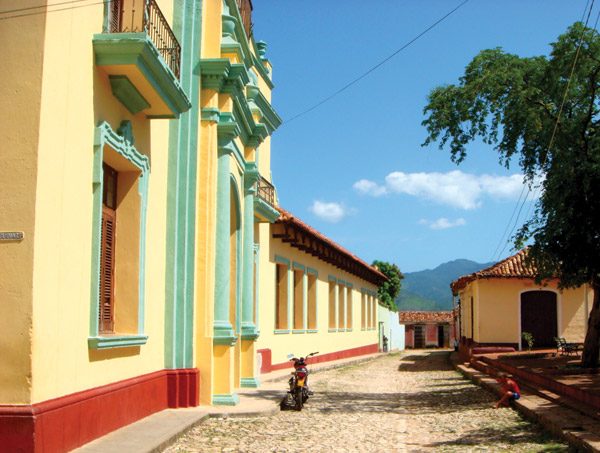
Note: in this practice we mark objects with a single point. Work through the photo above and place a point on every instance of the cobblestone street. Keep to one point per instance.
(412, 401)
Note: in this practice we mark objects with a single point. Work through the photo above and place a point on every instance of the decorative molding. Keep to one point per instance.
(262, 71)
(127, 93)
(105, 135)
(249, 331)
(223, 333)
(226, 400)
(116, 341)
(211, 114)
(258, 103)
(250, 382)
(251, 175)
(221, 75)
(282, 260)
(113, 50)
(264, 210)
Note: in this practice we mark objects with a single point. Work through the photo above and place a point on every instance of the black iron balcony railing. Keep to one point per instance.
(245, 7)
(265, 190)
(145, 15)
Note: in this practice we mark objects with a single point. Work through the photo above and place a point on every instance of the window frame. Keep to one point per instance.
(121, 142)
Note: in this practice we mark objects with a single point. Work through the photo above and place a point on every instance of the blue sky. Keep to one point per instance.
(354, 168)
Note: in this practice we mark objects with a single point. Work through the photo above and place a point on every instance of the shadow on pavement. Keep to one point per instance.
(433, 361)
(481, 438)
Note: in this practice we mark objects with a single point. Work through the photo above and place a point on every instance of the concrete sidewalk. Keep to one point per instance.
(566, 419)
(157, 431)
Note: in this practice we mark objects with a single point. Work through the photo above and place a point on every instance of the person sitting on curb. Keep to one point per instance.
(510, 390)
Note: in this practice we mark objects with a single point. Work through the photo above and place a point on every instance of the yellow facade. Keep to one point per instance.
(490, 310)
(106, 133)
(301, 339)
(66, 97)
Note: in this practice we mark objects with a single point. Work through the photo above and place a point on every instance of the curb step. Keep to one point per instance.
(580, 430)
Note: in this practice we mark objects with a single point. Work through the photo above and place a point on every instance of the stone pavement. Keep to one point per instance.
(410, 401)
(153, 433)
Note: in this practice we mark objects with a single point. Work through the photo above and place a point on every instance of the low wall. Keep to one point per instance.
(65, 423)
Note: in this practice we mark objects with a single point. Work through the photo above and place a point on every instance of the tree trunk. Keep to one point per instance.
(591, 346)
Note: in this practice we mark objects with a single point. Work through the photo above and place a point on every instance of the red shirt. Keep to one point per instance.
(511, 386)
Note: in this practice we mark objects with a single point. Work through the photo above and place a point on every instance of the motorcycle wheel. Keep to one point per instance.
(298, 398)
(304, 395)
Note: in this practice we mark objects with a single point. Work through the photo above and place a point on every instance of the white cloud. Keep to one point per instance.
(443, 223)
(367, 187)
(330, 212)
(454, 188)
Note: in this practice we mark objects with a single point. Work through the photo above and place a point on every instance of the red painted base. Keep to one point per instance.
(267, 366)
(68, 422)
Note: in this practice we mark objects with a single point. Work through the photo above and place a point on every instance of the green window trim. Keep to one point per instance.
(122, 143)
(116, 341)
(281, 331)
(282, 260)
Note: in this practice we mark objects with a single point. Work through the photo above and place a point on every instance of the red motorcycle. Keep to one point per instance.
(299, 391)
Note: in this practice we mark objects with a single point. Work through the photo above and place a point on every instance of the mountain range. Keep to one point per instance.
(429, 290)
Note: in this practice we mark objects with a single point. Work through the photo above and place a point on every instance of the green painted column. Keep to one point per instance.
(249, 329)
(223, 330)
(181, 195)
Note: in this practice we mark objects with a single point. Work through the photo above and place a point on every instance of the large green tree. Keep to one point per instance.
(388, 291)
(544, 111)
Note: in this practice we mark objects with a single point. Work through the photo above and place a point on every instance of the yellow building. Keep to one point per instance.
(497, 304)
(314, 296)
(143, 259)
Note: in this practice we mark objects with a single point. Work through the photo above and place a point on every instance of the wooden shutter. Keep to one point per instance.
(107, 272)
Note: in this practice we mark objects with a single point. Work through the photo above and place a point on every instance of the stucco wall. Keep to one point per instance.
(392, 328)
(323, 340)
(20, 92)
(497, 309)
(76, 97)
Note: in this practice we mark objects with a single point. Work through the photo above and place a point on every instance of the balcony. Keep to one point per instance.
(265, 190)
(141, 56)
(264, 201)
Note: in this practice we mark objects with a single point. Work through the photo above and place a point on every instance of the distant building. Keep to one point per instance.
(497, 304)
(428, 329)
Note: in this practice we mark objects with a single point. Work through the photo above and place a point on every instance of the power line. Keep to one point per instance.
(502, 238)
(562, 104)
(376, 66)
(47, 10)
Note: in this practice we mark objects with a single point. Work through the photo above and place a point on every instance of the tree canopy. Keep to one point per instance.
(544, 111)
(388, 291)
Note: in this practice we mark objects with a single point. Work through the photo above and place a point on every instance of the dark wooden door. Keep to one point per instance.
(538, 317)
(441, 338)
(419, 337)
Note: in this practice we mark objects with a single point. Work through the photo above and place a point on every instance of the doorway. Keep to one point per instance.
(539, 317)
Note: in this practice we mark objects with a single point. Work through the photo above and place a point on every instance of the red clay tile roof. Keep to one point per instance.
(412, 317)
(512, 267)
(301, 235)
